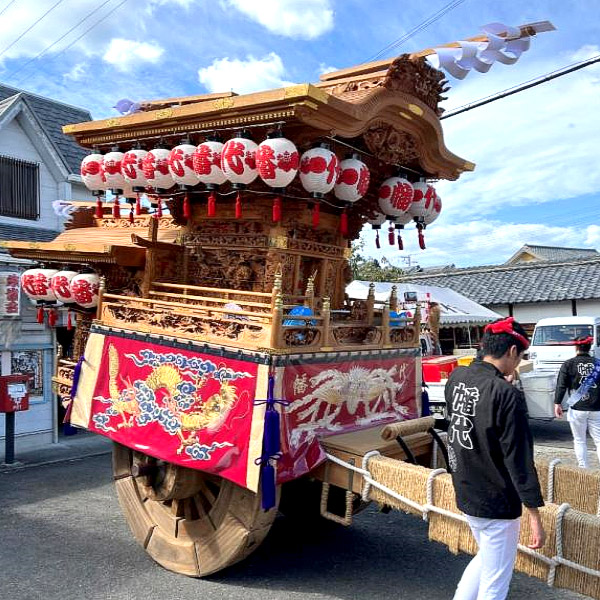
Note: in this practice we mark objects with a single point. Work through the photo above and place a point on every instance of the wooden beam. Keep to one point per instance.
(138, 240)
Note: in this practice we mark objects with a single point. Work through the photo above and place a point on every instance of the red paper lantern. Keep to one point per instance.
(132, 167)
(238, 161)
(60, 284)
(85, 289)
(353, 181)
(112, 170)
(319, 170)
(36, 283)
(156, 169)
(92, 172)
(181, 164)
(207, 163)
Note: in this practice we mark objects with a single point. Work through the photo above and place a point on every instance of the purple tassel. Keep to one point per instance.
(76, 376)
(271, 439)
(269, 489)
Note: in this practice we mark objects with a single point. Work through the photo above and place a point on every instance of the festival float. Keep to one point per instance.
(214, 343)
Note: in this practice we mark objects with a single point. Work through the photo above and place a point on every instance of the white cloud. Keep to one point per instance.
(325, 68)
(244, 76)
(304, 19)
(77, 72)
(126, 54)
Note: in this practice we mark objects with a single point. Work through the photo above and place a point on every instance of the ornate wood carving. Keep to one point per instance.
(391, 145)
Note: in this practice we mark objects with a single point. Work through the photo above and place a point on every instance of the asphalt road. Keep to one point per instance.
(62, 537)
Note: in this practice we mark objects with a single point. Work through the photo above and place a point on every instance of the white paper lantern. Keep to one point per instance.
(156, 169)
(181, 164)
(435, 208)
(112, 170)
(36, 283)
(353, 181)
(84, 289)
(132, 167)
(377, 221)
(207, 163)
(238, 160)
(60, 284)
(277, 161)
(92, 172)
(319, 170)
(395, 197)
(423, 197)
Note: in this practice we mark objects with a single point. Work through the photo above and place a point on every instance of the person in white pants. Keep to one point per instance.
(579, 377)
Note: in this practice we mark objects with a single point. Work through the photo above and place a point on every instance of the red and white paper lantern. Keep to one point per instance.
(155, 166)
(37, 285)
(60, 284)
(132, 167)
(423, 200)
(376, 222)
(319, 172)
(207, 166)
(395, 198)
(92, 172)
(238, 162)
(351, 186)
(181, 164)
(112, 170)
(85, 289)
(435, 208)
(277, 162)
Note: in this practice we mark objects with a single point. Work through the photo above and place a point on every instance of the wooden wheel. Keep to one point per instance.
(188, 521)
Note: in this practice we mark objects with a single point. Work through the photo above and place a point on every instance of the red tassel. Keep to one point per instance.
(131, 219)
(69, 321)
(138, 205)
(391, 238)
(276, 209)
(159, 209)
(116, 208)
(186, 207)
(344, 224)
(315, 215)
(40, 315)
(377, 244)
(99, 209)
(52, 317)
(421, 237)
(400, 243)
(212, 205)
(238, 206)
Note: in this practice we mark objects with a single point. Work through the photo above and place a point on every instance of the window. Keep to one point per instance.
(19, 188)
(560, 335)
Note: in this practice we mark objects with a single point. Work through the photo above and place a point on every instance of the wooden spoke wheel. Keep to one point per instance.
(188, 521)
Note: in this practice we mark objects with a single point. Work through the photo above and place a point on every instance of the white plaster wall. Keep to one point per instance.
(533, 312)
(500, 308)
(588, 308)
(16, 143)
(81, 193)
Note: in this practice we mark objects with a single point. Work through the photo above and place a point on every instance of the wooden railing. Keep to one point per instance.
(62, 381)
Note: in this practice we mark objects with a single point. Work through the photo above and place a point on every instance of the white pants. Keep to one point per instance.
(582, 421)
(488, 575)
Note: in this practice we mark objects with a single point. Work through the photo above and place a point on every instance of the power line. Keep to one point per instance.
(417, 29)
(110, 12)
(30, 27)
(62, 37)
(523, 86)
(7, 7)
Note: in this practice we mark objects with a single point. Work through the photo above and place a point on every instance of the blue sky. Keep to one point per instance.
(537, 179)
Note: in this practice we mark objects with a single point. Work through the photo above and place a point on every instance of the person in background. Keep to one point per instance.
(490, 450)
(584, 408)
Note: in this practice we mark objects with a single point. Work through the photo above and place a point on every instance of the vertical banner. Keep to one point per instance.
(10, 294)
(337, 397)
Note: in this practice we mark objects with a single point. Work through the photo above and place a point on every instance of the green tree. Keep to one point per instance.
(370, 269)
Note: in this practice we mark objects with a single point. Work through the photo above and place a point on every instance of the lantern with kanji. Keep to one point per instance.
(132, 167)
(238, 162)
(85, 288)
(181, 167)
(37, 285)
(94, 179)
(277, 162)
(395, 198)
(319, 172)
(351, 186)
(376, 222)
(61, 286)
(207, 166)
(155, 166)
(422, 202)
(112, 170)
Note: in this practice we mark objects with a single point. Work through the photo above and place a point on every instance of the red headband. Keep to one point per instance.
(506, 326)
(588, 340)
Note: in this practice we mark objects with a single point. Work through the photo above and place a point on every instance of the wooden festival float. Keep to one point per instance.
(213, 339)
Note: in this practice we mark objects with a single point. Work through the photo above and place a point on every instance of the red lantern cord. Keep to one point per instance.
(69, 321)
(238, 206)
(400, 243)
(99, 209)
(131, 219)
(212, 205)
(316, 210)
(344, 224)
(186, 207)
(52, 317)
(391, 238)
(377, 244)
(40, 315)
(421, 236)
(138, 205)
(159, 209)
(277, 209)
(116, 208)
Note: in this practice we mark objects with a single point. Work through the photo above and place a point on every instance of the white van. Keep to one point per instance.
(553, 340)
